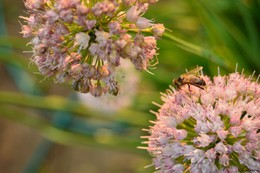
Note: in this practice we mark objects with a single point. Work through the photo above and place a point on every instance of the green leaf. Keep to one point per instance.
(58, 103)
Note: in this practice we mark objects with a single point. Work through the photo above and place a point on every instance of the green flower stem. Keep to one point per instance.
(235, 161)
(231, 139)
(180, 159)
(219, 166)
(58, 103)
(202, 52)
(187, 168)
(188, 125)
(185, 126)
(67, 137)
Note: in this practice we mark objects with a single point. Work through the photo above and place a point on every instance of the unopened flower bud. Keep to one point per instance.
(158, 30)
(132, 14)
(143, 23)
(86, 87)
(96, 91)
(26, 31)
(40, 49)
(103, 71)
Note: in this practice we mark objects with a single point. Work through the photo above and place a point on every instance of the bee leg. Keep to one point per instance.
(189, 87)
(199, 87)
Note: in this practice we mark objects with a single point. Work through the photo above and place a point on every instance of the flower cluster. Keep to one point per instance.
(215, 130)
(83, 41)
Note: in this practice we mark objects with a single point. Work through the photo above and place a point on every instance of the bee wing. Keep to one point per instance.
(195, 71)
(195, 80)
(190, 78)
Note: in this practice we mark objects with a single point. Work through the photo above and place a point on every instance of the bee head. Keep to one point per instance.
(177, 82)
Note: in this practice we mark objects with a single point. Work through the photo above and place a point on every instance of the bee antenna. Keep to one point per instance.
(218, 71)
(236, 67)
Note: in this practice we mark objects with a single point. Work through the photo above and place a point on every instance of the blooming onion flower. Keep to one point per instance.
(208, 131)
(83, 41)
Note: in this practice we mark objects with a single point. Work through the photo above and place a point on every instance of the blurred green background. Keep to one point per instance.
(45, 128)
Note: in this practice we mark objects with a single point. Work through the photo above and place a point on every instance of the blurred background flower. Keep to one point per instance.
(45, 128)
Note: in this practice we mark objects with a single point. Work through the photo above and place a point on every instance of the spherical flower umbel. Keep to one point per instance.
(83, 42)
(210, 130)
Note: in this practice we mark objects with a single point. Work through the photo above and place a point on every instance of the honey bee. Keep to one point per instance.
(190, 78)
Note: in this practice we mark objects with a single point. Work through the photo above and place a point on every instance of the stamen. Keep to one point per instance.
(251, 76)
(142, 148)
(257, 78)
(153, 112)
(149, 166)
(242, 72)
(156, 104)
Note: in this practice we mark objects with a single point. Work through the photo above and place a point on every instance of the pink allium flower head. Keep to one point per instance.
(83, 42)
(221, 122)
